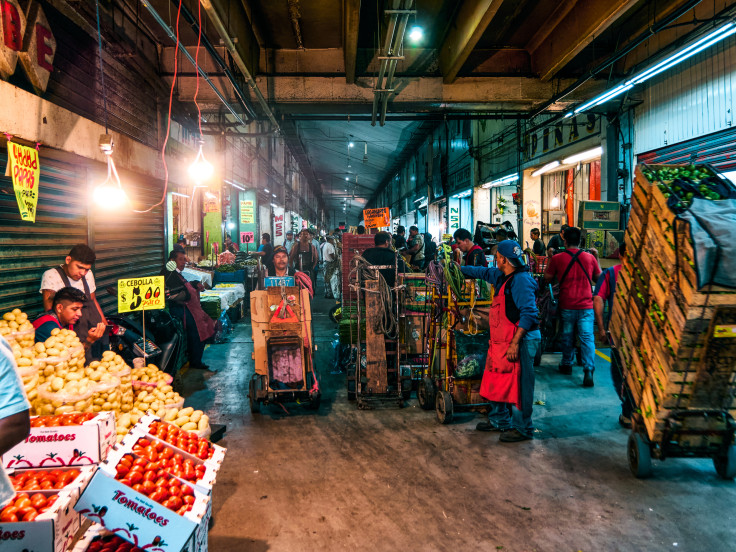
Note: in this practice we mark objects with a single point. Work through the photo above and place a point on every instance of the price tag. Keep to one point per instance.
(247, 237)
(136, 294)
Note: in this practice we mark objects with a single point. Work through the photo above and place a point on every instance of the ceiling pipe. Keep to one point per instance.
(222, 31)
(398, 41)
(378, 89)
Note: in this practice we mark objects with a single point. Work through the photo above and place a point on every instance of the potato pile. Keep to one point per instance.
(16, 327)
(116, 387)
(27, 370)
(186, 418)
(151, 375)
(59, 355)
(62, 396)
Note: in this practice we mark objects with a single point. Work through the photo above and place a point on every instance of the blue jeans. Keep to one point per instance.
(582, 320)
(506, 416)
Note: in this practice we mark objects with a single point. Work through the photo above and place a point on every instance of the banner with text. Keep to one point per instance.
(25, 170)
(377, 218)
(135, 294)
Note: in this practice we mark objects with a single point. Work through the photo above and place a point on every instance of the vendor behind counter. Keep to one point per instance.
(382, 255)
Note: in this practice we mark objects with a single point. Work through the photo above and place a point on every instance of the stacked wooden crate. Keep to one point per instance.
(665, 328)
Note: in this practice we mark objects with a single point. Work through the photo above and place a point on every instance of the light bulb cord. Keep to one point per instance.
(99, 55)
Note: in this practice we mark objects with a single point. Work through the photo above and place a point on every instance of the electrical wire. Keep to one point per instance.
(196, 66)
(99, 53)
(168, 119)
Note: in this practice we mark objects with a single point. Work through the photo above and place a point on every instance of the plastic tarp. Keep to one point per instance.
(712, 226)
(471, 354)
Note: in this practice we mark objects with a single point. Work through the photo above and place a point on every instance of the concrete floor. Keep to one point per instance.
(394, 479)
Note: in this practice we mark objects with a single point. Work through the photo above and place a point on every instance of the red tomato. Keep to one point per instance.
(30, 516)
(147, 487)
(135, 476)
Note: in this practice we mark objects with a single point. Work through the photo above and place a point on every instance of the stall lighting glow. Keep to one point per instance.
(110, 194)
(555, 202)
(347, 178)
(210, 195)
(548, 167)
(351, 145)
(230, 225)
(274, 206)
(234, 185)
(583, 156)
(201, 170)
(699, 45)
(501, 181)
(180, 195)
(416, 34)
(461, 195)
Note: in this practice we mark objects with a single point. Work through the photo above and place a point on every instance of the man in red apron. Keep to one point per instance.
(183, 300)
(508, 379)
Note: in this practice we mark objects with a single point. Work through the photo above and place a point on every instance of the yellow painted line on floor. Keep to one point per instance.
(604, 357)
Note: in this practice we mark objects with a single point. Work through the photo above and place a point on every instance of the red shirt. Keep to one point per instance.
(576, 291)
(604, 291)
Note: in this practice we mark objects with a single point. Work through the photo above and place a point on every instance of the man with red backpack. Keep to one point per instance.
(473, 253)
(575, 271)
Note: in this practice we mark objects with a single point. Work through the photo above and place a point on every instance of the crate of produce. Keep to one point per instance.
(64, 440)
(234, 277)
(51, 480)
(677, 341)
(185, 441)
(49, 522)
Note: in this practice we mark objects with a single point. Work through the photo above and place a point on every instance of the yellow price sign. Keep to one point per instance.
(137, 294)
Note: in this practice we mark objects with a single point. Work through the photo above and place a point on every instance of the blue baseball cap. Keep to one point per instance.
(512, 251)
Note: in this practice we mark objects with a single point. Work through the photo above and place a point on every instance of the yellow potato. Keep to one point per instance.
(190, 426)
(196, 415)
(204, 422)
(181, 420)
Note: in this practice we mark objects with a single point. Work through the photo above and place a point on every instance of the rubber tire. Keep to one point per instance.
(726, 465)
(426, 394)
(640, 456)
(444, 407)
(255, 406)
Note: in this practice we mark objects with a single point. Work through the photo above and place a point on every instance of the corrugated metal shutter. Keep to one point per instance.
(128, 244)
(717, 149)
(28, 249)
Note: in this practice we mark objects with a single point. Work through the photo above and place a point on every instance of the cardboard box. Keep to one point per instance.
(52, 531)
(144, 425)
(600, 215)
(75, 488)
(126, 447)
(138, 519)
(97, 532)
(59, 446)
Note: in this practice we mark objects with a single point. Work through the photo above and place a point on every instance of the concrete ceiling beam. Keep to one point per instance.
(577, 26)
(351, 24)
(239, 28)
(470, 23)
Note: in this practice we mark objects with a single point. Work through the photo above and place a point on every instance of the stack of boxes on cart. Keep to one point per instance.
(677, 342)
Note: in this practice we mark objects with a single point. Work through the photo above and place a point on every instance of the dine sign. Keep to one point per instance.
(25, 170)
(137, 294)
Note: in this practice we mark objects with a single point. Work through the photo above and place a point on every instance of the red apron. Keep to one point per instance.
(501, 378)
(205, 325)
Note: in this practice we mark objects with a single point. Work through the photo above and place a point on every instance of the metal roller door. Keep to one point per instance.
(716, 149)
(28, 249)
(128, 244)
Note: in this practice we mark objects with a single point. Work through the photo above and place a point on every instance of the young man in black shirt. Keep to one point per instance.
(538, 246)
(383, 255)
(473, 254)
(557, 243)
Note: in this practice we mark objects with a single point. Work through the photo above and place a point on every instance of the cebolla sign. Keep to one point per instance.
(26, 37)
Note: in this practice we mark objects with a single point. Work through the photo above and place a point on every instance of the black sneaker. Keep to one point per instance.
(588, 379)
(513, 436)
(565, 369)
(487, 426)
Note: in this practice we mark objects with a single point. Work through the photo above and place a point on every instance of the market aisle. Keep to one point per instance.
(343, 479)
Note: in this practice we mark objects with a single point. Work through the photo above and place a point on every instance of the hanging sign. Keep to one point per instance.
(247, 212)
(377, 218)
(137, 294)
(278, 225)
(25, 170)
(247, 237)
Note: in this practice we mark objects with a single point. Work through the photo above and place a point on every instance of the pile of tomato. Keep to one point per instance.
(170, 460)
(151, 479)
(112, 544)
(38, 480)
(184, 440)
(62, 419)
(25, 507)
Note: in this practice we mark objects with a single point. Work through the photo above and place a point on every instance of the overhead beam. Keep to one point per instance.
(578, 28)
(351, 25)
(470, 23)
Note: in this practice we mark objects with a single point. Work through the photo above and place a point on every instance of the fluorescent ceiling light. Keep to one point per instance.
(350, 145)
(548, 167)
(265, 190)
(416, 34)
(463, 194)
(179, 195)
(583, 156)
(420, 199)
(698, 46)
(234, 185)
(501, 181)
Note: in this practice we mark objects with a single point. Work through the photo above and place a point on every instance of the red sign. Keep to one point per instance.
(27, 39)
(278, 224)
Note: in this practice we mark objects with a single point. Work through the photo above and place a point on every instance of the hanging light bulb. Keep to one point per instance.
(109, 194)
(201, 170)
(555, 201)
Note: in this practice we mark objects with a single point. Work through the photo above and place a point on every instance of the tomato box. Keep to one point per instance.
(144, 426)
(139, 519)
(29, 481)
(98, 534)
(58, 446)
(52, 531)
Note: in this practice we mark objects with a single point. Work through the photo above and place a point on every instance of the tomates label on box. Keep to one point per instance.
(56, 446)
(135, 517)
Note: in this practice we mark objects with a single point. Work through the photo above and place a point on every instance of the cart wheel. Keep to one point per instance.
(443, 407)
(426, 393)
(640, 456)
(255, 406)
(726, 464)
(314, 400)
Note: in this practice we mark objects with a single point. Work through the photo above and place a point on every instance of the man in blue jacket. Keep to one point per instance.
(508, 378)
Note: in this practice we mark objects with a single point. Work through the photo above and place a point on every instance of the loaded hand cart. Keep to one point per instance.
(283, 346)
(674, 329)
(458, 341)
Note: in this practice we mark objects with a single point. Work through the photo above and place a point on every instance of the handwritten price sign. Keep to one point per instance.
(377, 218)
(25, 170)
(135, 294)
